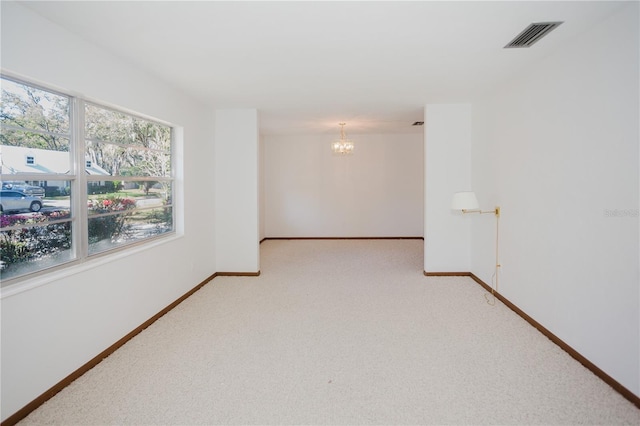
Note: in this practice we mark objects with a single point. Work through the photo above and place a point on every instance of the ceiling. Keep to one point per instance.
(308, 65)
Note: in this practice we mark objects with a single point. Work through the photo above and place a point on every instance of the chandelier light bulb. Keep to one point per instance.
(344, 145)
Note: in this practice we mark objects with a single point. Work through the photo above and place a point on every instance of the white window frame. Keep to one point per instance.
(78, 181)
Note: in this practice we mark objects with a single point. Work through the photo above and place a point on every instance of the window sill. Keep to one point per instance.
(46, 278)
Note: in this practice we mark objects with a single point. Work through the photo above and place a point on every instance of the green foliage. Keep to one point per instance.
(106, 227)
(125, 145)
(109, 226)
(160, 217)
(107, 188)
(52, 191)
(32, 243)
(26, 108)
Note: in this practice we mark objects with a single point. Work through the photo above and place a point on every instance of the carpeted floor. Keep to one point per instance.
(338, 332)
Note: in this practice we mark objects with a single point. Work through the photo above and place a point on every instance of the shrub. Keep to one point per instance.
(52, 191)
(34, 242)
(24, 244)
(112, 227)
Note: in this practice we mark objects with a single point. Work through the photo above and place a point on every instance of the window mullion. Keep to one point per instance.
(174, 160)
(79, 195)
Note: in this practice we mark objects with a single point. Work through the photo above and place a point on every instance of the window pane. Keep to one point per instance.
(110, 231)
(24, 209)
(109, 203)
(33, 140)
(34, 237)
(122, 212)
(18, 156)
(27, 250)
(116, 127)
(118, 160)
(34, 109)
(144, 194)
(107, 125)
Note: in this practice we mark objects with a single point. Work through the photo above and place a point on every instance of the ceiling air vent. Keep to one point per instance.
(532, 34)
(418, 123)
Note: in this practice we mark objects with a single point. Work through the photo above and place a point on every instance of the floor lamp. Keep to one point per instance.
(467, 202)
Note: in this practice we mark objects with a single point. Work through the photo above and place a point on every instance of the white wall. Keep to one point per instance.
(375, 192)
(261, 184)
(68, 318)
(237, 190)
(447, 170)
(558, 148)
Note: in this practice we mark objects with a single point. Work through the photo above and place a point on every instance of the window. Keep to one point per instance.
(137, 153)
(106, 185)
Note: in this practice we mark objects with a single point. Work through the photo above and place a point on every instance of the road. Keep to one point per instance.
(57, 205)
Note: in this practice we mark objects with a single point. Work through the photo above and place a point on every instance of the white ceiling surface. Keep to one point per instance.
(308, 65)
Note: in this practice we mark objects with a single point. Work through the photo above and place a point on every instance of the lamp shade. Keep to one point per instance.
(465, 201)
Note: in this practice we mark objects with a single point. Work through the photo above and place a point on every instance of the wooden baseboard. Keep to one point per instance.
(446, 274)
(626, 393)
(238, 274)
(44, 397)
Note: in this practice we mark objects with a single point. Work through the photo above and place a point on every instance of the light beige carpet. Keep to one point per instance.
(338, 332)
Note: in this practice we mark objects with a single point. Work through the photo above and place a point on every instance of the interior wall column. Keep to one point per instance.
(236, 217)
(447, 138)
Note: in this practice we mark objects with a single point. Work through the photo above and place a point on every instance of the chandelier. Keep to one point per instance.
(344, 145)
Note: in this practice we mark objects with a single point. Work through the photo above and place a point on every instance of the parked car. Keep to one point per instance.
(11, 200)
(36, 191)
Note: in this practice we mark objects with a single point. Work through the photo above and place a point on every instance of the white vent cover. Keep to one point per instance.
(532, 34)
